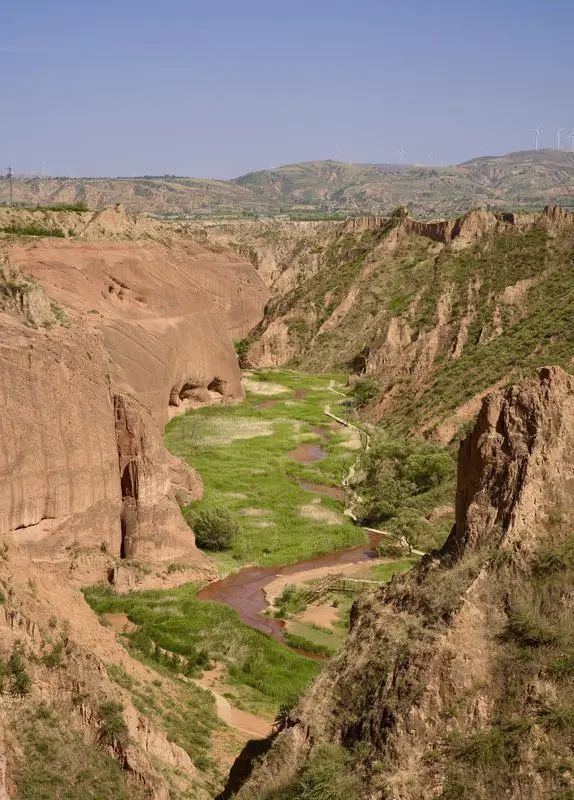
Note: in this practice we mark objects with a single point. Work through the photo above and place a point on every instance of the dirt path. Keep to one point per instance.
(250, 724)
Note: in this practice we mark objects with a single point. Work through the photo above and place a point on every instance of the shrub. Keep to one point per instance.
(241, 349)
(329, 774)
(291, 601)
(53, 659)
(113, 729)
(20, 682)
(402, 477)
(363, 391)
(409, 527)
(214, 528)
(33, 230)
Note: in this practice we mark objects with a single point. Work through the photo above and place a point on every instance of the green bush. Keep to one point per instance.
(20, 682)
(214, 528)
(53, 659)
(113, 729)
(399, 480)
(241, 349)
(33, 230)
(363, 391)
(328, 775)
(291, 601)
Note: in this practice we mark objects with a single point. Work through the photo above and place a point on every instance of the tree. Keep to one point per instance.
(214, 528)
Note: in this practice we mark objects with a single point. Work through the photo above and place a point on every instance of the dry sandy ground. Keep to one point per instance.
(263, 387)
(315, 511)
(324, 616)
(119, 623)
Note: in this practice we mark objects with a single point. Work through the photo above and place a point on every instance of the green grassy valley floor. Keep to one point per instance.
(245, 454)
(242, 453)
(262, 674)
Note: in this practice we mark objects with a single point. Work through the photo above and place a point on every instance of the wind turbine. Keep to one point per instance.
(558, 132)
(571, 137)
(536, 132)
(402, 153)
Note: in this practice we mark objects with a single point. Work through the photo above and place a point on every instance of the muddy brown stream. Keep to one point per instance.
(243, 590)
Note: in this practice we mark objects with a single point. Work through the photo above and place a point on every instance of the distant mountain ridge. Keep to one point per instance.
(527, 179)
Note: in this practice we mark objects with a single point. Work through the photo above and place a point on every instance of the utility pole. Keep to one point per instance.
(10, 173)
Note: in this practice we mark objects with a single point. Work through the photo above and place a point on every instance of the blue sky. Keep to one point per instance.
(221, 87)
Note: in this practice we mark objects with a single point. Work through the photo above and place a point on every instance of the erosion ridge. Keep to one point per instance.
(426, 698)
(435, 313)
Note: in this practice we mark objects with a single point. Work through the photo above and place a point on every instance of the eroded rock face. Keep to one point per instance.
(58, 454)
(142, 329)
(168, 314)
(513, 457)
(152, 483)
(427, 662)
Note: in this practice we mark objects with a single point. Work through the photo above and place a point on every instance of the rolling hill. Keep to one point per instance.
(526, 180)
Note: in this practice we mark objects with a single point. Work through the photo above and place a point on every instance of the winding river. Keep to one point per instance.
(244, 590)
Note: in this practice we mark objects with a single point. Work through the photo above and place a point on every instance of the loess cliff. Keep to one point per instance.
(101, 341)
(132, 333)
(432, 314)
(456, 679)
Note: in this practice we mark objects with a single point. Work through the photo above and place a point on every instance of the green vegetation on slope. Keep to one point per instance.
(243, 454)
(57, 762)
(533, 717)
(503, 305)
(332, 773)
(317, 189)
(266, 673)
(537, 330)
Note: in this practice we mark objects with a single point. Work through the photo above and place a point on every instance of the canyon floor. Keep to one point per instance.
(252, 640)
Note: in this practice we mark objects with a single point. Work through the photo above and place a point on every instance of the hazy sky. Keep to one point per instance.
(220, 87)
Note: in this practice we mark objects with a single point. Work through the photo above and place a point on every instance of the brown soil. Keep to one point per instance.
(243, 721)
(319, 488)
(325, 616)
(120, 623)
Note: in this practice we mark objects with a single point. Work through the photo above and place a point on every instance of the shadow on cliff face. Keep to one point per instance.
(244, 764)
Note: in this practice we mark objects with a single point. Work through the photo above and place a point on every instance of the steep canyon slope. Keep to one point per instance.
(456, 679)
(433, 313)
(138, 329)
(101, 340)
